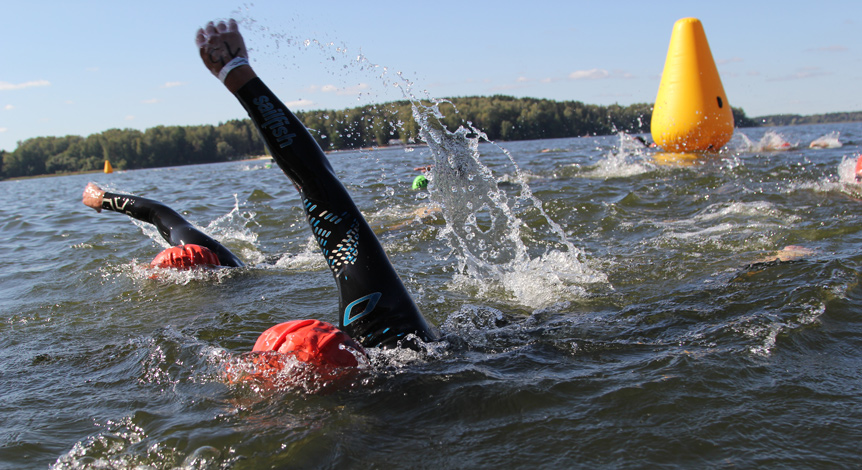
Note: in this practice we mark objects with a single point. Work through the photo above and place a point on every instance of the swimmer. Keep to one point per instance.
(420, 182)
(644, 142)
(788, 254)
(190, 248)
(375, 308)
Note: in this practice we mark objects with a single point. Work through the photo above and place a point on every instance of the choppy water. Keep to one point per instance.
(620, 328)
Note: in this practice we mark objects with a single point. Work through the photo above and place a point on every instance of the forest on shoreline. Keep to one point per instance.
(501, 118)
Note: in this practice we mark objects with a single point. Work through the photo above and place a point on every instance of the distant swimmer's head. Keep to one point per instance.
(312, 341)
(420, 182)
(185, 257)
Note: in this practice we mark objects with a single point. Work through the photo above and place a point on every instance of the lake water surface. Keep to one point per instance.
(602, 311)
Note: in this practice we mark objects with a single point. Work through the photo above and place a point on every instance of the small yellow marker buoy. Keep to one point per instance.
(691, 110)
(108, 167)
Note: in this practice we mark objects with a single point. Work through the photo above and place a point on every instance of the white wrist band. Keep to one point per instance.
(234, 63)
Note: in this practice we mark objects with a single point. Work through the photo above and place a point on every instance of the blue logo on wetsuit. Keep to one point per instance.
(350, 317)
(325, 225)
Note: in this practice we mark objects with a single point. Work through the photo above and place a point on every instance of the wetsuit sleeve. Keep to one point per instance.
(171, 226)
(375, 307)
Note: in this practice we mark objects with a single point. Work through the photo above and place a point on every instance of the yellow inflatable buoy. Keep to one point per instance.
(108, 167)
(691, 110)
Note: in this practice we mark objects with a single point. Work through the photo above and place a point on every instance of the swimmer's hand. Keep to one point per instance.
(222, 45)
(788, 253)
(93, 196)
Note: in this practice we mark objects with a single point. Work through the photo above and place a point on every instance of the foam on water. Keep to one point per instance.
(726, 225)
(307, 259)
(628, 160)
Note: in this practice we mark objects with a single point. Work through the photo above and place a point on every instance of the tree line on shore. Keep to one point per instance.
(501, 118)
(796, 119)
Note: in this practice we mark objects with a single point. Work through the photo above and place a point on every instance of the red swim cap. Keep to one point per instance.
(859, 167)
(185, 257)
(311, 341)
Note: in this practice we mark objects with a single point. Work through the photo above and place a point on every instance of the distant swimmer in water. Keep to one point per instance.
(788, 254)
(190, 248)
(828, 141)
(644, 142)
(376, 309)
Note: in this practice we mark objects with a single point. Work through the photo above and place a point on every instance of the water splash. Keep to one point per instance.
(847, 182)
(307, 259)
(828, 141)
(628, 160)
(770, 142)
(482, 226)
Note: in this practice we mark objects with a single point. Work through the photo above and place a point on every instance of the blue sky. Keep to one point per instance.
(83, 67)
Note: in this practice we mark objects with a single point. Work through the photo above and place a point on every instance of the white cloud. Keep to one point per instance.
(801, 74)
(173, 84)
(523, 80)
(18, 86)
(303, 103)
(3, 129)
(151, 101)
(8, 107)
(729, 61)
(130, 118)
(622, 74)
(592, 74)
(354, 90)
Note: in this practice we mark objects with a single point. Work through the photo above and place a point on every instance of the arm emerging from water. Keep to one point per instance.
(175, 229)
(375, 307)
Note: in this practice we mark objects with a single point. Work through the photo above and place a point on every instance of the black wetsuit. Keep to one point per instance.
(172, 226)
(375, 308)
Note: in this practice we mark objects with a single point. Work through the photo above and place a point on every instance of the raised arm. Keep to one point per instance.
(376, 308)
(175, 229)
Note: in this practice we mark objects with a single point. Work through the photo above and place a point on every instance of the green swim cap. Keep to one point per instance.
(420, 182)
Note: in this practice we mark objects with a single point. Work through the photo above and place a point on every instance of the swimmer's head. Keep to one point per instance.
(311, 341)
(420, 182)
(185, 257)
(859, 168)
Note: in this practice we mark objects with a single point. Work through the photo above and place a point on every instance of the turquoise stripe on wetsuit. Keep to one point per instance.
(376, 308)
(172, 227)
